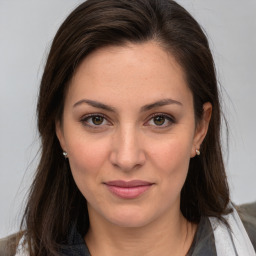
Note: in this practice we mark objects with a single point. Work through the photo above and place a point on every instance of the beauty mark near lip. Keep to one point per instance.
(128, 189)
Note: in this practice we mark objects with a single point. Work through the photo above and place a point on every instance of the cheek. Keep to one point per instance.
(87, 157)
(87, 160)
(173, 152)
(171, 158)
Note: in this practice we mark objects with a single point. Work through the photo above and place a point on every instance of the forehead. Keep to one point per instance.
(132, 71)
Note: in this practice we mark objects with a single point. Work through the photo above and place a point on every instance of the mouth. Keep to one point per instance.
(128, 189)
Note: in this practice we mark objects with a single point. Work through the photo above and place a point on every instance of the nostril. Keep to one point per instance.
(127, 162)
(127, 151)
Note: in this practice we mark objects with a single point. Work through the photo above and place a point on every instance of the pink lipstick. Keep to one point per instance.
(128, 189)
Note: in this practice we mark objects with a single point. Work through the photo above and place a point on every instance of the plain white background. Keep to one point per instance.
(26, 30)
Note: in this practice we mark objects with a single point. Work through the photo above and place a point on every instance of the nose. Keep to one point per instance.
(127, 153)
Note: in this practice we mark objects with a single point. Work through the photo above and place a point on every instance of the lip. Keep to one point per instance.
(128, 189)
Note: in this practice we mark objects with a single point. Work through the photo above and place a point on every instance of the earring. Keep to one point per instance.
(65, 154)
(198, 152)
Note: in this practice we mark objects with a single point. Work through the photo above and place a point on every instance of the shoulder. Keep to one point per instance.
(9, 244)
(247, 213)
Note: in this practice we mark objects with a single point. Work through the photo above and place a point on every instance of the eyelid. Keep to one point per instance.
(84, 119)
(87, 116)
(169, 117)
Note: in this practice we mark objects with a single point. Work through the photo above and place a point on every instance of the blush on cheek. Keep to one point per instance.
(83, 173)
(87, 156)
(172, 156)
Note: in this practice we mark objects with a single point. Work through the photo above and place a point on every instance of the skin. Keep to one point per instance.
(125, 142)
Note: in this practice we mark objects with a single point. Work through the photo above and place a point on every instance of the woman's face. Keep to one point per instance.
(129, 131)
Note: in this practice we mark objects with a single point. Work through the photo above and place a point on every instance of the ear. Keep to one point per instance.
(60, 135)
(202, 128)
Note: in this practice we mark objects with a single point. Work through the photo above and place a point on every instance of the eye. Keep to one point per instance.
(160, 120)
(94, 120)
(97, 120)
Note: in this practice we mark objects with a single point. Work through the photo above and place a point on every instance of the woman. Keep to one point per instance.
(129, 118)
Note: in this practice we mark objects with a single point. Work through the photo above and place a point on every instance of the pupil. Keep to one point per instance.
(159, 120)
(97, 120)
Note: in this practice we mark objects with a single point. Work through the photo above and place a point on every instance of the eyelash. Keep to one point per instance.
(166, 117)
(169, 118)
(85, 119)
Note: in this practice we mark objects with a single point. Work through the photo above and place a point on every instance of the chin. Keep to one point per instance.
(130, 219)
(128, 223)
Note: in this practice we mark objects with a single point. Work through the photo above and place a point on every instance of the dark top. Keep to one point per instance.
(203, 243)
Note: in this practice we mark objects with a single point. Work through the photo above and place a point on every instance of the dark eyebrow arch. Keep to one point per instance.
(160, 103)
(147, 107)
(95, 104)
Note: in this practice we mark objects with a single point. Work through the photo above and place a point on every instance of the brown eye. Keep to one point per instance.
(94, 121)
(159, 120)
(97, 120)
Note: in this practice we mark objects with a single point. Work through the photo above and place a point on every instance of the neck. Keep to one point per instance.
(172, 234)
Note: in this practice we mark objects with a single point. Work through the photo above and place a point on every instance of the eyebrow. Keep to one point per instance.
(160, 103)
(147, 107)
(95, 104)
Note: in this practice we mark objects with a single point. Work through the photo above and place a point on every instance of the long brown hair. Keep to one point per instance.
(55, 203)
